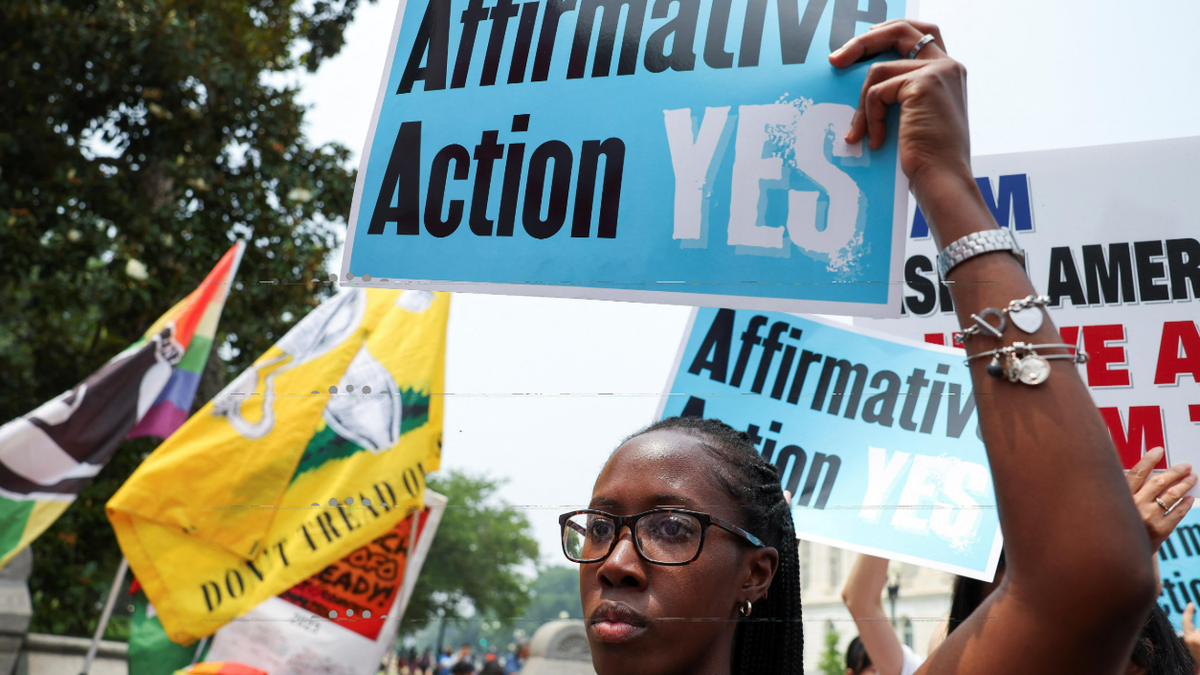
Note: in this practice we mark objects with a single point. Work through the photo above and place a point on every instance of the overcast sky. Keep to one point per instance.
(525, 374)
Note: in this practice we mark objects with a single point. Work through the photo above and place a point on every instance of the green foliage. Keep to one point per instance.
(476, 558)
(554, 591)
(150, 134)
(832, 662)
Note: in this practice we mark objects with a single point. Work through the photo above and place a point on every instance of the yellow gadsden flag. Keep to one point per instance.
(318, 448)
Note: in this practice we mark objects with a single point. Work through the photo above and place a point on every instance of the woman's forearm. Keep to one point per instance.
(1070, 528)
(861, 594)
(1078, 581)
(864, 585)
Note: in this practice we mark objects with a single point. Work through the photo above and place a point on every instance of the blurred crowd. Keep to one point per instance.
(463, 661)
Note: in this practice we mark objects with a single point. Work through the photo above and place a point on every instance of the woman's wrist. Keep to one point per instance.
(950, 200)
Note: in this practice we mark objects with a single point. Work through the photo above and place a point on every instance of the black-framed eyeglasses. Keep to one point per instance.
(661, 536)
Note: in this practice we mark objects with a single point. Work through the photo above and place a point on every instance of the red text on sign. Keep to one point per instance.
(1144, 431)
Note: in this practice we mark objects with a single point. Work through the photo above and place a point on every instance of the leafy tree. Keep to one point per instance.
(138, 140)
(474, 566)
(555, 595)
(831, 662)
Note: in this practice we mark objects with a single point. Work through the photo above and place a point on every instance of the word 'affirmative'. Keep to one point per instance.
(796, 32)
(834, 382)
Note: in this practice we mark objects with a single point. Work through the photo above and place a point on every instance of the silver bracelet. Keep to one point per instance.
(983, 326)
(978, 243)
(1022, 362)
(1025, 313)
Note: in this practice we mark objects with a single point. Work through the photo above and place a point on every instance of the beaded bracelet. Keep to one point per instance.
(1022, 362)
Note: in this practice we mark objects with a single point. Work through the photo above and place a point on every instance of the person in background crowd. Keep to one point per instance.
(445, 661)
(516, 659)
(408, 659)
(1076, 606)
(425, 662)
(858, 662)
(464, 654)
(876, 635)
(491, 666)
(1191, 636)
(1159, 651)
(462, 668)
(966, 596)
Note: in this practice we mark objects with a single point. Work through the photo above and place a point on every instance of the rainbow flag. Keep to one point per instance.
(195, 319)
(48, 455)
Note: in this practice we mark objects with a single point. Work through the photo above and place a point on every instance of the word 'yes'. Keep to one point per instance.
(802, 132)
(958, 479)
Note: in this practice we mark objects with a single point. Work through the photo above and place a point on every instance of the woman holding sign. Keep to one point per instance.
(687, 552)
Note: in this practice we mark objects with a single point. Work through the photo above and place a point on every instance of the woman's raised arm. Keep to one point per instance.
(1079, 580)
(862, 593)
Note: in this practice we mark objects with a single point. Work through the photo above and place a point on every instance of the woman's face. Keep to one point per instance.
(652, 619)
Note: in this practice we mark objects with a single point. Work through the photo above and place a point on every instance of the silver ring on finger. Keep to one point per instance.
(926, 39)
(1163, 504)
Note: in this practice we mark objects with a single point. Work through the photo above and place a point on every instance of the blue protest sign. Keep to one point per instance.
(1179, 567)
(673, 151)
(875, 436)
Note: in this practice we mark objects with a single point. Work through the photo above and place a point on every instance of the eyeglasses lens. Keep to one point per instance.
(587, 536)
(665, 537)
(669, 537)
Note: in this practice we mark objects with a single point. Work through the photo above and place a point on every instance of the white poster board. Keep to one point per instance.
(1110, 235)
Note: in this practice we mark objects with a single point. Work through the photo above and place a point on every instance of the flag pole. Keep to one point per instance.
(199, 650)
(105, 615)
(413, 535)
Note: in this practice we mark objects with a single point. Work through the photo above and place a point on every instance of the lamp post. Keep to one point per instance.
(893, 589)
(442, 629)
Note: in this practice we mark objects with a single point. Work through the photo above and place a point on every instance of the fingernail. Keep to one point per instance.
(1156, 451)
(1185, 467)
(837, 51)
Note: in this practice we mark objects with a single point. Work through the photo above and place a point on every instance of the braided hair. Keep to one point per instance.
(1158, 650)
(771, 642)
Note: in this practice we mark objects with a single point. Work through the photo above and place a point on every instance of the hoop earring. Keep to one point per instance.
(745, 608)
